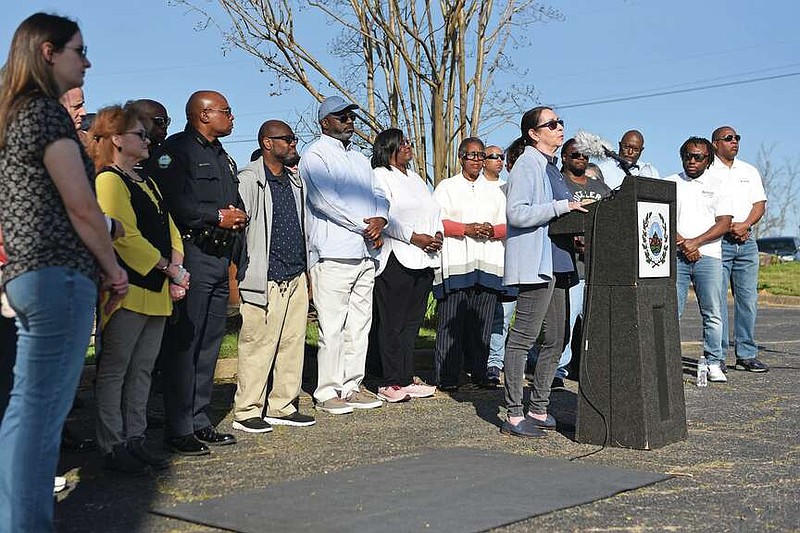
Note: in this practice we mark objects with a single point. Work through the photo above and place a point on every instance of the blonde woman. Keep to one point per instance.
(151, 252)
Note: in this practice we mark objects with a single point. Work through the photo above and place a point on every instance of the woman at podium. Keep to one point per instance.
(542, 269)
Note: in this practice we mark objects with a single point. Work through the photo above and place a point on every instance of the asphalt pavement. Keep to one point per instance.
(738, 470)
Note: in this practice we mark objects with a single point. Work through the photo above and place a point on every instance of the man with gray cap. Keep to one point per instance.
(346, 215)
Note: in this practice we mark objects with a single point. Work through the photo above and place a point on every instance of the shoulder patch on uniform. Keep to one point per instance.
(164, 161)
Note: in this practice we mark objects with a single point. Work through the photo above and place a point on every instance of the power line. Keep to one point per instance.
(675, 91)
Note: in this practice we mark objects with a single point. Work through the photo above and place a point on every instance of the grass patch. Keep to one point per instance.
(425, 340)
(781, 279)
(229, 350)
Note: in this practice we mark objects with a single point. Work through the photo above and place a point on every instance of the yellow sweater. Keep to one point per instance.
(115, 201)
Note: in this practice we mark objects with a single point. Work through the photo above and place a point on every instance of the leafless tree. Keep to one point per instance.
(781, 184)
(428, 68)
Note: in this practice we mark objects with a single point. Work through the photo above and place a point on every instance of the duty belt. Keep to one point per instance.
(212, 240)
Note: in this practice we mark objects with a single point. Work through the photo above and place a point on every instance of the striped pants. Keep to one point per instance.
(462, 337)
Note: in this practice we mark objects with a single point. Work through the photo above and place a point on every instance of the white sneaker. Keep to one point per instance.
(334, 406)
(363, 399)
(716, 374)
(59, 484)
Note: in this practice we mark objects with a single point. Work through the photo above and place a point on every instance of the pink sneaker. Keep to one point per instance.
(420, 390)
(393, 394)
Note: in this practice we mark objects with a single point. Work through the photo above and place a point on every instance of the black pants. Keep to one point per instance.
(462, 337)
(195, 341)
(400, 298)
(8, 355)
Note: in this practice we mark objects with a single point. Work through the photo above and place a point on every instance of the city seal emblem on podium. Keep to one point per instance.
(654, 239)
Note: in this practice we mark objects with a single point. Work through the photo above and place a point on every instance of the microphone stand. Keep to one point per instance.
(624, 164)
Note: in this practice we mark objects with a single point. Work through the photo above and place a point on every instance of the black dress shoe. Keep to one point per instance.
(70, 442)
(139, 451)
(121, 460)
(211, 437)
(186, 445)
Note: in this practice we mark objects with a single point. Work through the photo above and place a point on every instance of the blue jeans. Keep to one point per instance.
(497, 342)
(740, 269)
(706, 276)
(575, 310)
(54, 308)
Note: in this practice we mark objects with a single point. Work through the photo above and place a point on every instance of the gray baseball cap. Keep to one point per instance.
(334, 104)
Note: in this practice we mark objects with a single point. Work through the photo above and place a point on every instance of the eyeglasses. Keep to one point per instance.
(227, 111)
(578, 155)
(631, 147)
(290, 139)
(499, 157)
(551, 124)
(345, 117)
(80, 50)
(406, 142)
(696, 156)
(162, 122)
(142, 134)
(474, 156)
(729, 138)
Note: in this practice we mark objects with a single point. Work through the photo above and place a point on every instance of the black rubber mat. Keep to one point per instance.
(446, 490)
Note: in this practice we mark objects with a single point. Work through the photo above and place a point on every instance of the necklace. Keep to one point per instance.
(137, 179)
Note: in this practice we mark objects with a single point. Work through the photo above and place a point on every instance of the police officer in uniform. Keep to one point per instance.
(199, 183)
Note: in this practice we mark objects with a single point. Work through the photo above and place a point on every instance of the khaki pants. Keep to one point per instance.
(272, 343)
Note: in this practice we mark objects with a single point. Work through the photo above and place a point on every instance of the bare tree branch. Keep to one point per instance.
(428, 68)
(782, 185)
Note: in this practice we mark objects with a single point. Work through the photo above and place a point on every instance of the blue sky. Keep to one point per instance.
(605, 49)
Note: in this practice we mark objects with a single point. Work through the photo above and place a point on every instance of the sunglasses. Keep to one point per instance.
(551, 124)
(345, 117)
(696, 156)
(290, 139)
(495, 157)
(162, 122)
(407, 142)
(578, 155)
(80, 50)
(729, 138)
(227, 111)
(142, 134)
(474, 156)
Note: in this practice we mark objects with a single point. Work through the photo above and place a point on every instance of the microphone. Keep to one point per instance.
(595, 146)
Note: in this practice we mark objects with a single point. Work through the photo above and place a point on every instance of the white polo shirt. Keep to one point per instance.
(743, 182)
(699, 202)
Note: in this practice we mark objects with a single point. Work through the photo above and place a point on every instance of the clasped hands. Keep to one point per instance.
(427, 243)
(740, 231)
(232, 218)
(373, 230)
(479, 230)
(179, 281)
(690, 248)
